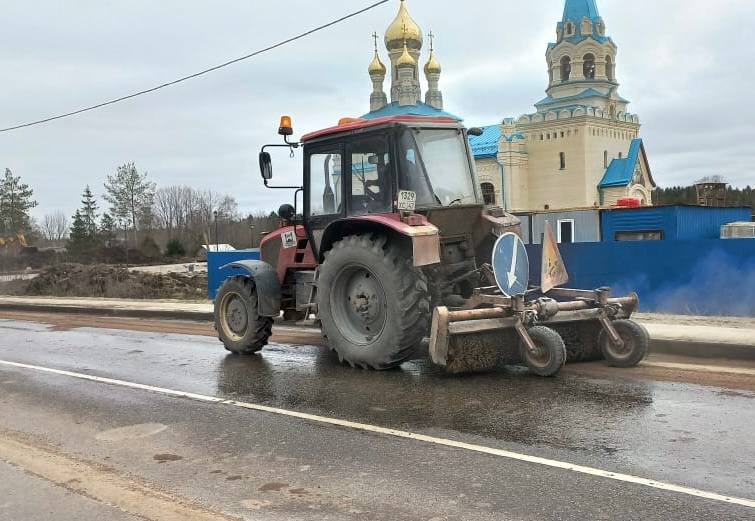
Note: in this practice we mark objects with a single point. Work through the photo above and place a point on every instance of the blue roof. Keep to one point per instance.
(420, 109)
(620, 171)
(587, 93)
(575, 10)
(486, 145)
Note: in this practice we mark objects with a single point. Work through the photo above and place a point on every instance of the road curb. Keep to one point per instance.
(702, 349)
(676, 346)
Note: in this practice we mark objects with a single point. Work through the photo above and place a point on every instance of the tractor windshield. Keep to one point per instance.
(435, 165)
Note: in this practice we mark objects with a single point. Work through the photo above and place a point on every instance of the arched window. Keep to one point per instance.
(605, 159)
(589, 66)
(565, 68)
(569, 29)
(609, 68)
(488, 193)
(550, 72)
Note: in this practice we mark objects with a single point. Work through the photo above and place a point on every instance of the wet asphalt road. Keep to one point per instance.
(685, 434)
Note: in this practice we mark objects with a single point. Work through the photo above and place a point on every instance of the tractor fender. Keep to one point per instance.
(266, 283)
(422, 235)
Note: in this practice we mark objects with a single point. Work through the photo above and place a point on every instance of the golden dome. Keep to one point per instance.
(433, 65)
(403, 28)
(377, 67)
(406, 59)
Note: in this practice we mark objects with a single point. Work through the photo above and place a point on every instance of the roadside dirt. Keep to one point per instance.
(99, 280)
(686, 370)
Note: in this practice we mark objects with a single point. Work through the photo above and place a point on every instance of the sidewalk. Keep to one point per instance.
(703, 337)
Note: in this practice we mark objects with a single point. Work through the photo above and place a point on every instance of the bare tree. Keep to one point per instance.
(55, 226)
(131, 196)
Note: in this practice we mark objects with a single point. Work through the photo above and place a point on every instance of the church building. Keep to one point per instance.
(580, 148)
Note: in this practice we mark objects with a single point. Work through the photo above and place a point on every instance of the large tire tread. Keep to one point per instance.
(261, 327)
(412, 298)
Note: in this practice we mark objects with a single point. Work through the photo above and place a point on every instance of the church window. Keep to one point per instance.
(562, 133)
(589, 66)
(542, 137)
(621, 154)
(576, 131)
(569, 29)
(562, 160)
(605, 159)
(488, 193)
(609, 68)
(550, 72)
(565, 68)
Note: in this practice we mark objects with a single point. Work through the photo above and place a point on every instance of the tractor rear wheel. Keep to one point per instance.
(550, 355)
(636, 344)
(237, 320)
(373, 304)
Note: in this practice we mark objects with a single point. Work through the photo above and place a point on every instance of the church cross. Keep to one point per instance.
(375, 37)
(431, 36)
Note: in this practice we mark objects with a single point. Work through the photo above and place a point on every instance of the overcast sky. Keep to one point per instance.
(686, 66)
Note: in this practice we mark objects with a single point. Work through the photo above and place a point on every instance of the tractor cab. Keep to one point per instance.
(394, 167)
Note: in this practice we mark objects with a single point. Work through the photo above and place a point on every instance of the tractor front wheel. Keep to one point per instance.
(373, 304)
(237, 320)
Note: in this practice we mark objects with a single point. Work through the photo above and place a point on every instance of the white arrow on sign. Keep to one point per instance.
(511, 276)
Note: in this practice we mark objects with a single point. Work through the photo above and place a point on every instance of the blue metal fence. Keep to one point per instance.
(215, 261)
(674, 222)
(699, 277)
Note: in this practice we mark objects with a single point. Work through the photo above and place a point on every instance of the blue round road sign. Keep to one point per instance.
(511, 265)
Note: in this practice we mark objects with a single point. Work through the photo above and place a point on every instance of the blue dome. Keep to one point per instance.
(575, 10)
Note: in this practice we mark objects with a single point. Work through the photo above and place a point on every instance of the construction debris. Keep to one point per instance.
(99, 280)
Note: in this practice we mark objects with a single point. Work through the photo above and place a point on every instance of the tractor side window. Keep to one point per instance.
(371, 177)
(325, 184)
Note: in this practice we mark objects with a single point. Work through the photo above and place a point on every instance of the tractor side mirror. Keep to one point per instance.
(475, 131)
(266, 166)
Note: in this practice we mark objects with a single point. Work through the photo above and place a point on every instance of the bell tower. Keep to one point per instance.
(582, 61)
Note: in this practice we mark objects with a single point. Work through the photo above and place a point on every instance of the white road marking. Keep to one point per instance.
(670, 487)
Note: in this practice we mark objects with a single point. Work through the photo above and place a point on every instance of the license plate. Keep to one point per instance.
(407, 201)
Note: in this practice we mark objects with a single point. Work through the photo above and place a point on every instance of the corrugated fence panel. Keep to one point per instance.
(676, 222)
(639, 220)
(705, 223)
(701, 277)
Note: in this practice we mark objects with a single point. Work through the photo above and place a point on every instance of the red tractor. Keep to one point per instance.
(393, 231)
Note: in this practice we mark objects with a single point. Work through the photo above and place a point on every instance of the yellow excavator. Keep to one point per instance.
(13, 244)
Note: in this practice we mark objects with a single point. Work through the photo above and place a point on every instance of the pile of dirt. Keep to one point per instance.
(99, 280)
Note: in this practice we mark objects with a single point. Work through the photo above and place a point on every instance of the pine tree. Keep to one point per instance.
(107, 229)
(15, 203)
(79, 241)
(89, 212)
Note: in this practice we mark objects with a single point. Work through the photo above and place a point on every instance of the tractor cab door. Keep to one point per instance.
(323, 188)
(371, 183)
